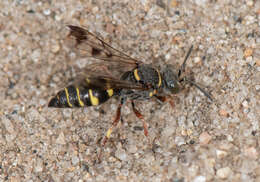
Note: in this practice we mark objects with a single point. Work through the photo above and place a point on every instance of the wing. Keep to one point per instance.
(92, 46)
(106, 82)
(105, 75)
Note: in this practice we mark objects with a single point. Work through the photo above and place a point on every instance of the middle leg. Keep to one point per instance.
(140, 116)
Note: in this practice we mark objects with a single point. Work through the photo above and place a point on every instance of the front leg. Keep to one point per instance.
(167, 98)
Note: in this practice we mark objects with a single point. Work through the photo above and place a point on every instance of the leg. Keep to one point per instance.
(115, 122)
(140, 116)
(168, 98)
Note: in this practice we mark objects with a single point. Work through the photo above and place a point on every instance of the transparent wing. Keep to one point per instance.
(106, 82)
(91, 45)
(107, 74)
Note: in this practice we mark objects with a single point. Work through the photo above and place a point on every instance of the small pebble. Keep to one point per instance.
(204, 138)
(55, 48)
(257, 87)
(248, 52)
(223, 173)
(179, 140)
(223, 112)
(230, 138)
(221, 154)
(249, 3)
(197, 60)
(257, 62)
(75, 160)
(249, 19)
(257, 171)
(61, 139)
(251, 153)
(193, 170)
(245, 104)
(167, 56)
(200, 179)
(174, 3)
(47, 12)
(121, 154)
(95, 9)
(58, 17)
(8, 125)
(39, 167)
(36, 55)
(200, 2)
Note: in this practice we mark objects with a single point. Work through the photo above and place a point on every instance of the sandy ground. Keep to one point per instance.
(197, 140)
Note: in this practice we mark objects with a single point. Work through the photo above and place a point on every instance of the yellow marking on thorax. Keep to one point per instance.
(160, 78)
(81, 103)
(67, 97)
(137, 77)
(110, 92)
(94, 100)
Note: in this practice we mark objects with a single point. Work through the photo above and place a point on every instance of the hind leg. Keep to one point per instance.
(115, 122)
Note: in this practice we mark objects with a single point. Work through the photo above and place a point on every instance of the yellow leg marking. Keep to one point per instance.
(110, 92)
(88, 81)
(67, 96)
(94, 100)
(80, 101)
(160, 78)
(136, 75)
(150, 94)
(109, 131)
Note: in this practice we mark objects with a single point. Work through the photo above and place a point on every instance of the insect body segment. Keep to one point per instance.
(148, 76)
(73, 96)
(118, 75)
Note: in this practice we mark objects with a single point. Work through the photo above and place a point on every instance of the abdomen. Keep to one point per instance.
(73, 96)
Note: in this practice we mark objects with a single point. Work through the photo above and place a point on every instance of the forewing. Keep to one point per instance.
(106, 82)
(105, 75)
(91, 45)
(112, 83)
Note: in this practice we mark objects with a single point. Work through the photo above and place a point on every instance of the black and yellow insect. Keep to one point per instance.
(118, 75)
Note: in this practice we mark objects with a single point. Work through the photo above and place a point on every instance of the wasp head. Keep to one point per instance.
(171, 80)
(174, 82)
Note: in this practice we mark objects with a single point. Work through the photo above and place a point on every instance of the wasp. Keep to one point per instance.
(118, 75)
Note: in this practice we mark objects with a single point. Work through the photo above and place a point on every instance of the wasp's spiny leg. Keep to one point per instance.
(140, 116)
(115, 122)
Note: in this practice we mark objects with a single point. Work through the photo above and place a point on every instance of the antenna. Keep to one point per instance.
(182, 70)
(198, 87)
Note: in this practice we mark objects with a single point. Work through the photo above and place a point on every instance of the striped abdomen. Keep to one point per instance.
(73, 96)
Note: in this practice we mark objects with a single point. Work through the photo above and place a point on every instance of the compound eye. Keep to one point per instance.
(172, 85)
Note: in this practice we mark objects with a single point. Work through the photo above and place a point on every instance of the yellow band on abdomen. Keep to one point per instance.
(110, 92)
(67, 97)
(81, 103)
(94, 100)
